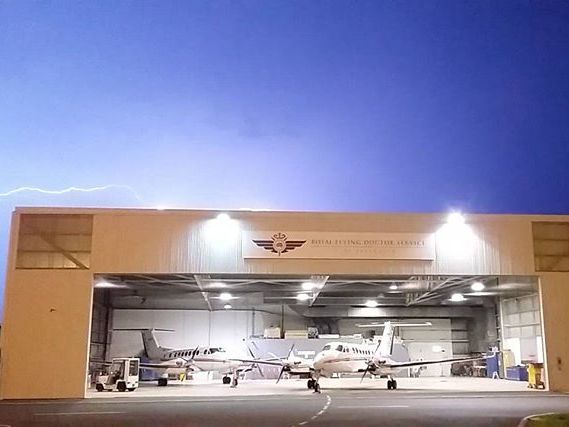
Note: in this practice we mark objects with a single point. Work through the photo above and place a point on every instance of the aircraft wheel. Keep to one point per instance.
(310, 384)
(389, 384)
(393, 385)
(100, 387)
(226, 380)
(316, 387)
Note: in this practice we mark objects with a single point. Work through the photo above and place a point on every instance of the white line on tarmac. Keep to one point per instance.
(370, 406)
(319, 413)
(79, 413)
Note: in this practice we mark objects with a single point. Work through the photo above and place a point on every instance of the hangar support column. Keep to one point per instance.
(45, 334)
(554, 288)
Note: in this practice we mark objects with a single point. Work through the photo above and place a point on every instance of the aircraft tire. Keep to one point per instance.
(394, 385)
(310, 384)
(316, 387)
(389, 385)
(226, 380)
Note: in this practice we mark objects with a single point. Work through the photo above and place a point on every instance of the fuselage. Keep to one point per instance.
(341, 357)
(200, 359)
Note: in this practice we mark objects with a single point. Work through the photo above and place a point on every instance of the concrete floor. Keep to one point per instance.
(334, 407)
(297, 387)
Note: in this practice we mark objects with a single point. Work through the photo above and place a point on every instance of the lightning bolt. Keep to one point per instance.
(70, 190)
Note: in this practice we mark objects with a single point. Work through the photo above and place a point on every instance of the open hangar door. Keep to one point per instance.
(263, 316)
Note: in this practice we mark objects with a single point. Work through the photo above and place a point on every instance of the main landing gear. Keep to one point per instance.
(234, 380)
(226, 380)
(391, 384)
(312, 384)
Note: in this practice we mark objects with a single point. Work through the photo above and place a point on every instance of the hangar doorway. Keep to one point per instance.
(264, 316)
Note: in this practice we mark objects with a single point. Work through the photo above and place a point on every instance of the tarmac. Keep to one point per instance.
(427, 402)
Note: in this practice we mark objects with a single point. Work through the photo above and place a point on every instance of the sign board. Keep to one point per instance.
(332, 245)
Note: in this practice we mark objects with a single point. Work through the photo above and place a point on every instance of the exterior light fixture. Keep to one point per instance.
(227, 306)
(225, 296)
(371, 304)
(308, 286)
(477, 286)
(455, 218)
(393, 287)
(223, 217)
(457, 297)
(303, 297)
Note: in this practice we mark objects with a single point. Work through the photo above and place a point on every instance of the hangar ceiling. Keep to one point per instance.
(212, 292)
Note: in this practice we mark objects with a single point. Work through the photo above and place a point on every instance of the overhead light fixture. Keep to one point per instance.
(477, 286)
(457, 297)
(103, 284)
(308, 286)
(217, 285)
(227, 306)
(455, 218)
(371, 304)
(225, 296)
(303, 297)
(393, 287)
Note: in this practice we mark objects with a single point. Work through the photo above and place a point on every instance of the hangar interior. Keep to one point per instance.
(261, 315)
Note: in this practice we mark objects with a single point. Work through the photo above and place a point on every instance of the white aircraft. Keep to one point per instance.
(182, 361)
(348, 358)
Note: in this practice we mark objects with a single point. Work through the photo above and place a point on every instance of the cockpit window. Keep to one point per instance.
(326, 347)
(339, 347)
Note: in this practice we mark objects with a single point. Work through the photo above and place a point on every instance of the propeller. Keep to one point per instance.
(370, 363)
(254, 357)
(285, 367)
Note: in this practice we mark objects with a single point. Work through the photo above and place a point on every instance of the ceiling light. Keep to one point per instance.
(227, 306)
(108, 285)
(303, 297)
(371, 304)
(308, 286)
(457, 297)
(217, 285)
(455, 218)
(393, 287)
(225, 296)
(477, 286)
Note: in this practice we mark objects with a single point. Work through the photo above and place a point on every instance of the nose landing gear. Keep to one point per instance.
(391, 384)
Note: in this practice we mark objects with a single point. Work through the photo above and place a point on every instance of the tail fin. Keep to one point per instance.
(386, 346)
(151, 346)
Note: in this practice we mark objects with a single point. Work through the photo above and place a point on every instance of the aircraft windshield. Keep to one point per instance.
(326, 347)
(339, 347)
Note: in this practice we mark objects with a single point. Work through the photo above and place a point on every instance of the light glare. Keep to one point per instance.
(303, 297)
(457, 297)
(227, 306)
(477, 286)
(225, 296)
(371, 304)
(455, 218)
(308, 286)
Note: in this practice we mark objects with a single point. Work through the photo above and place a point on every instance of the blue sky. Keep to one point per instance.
(317, 105)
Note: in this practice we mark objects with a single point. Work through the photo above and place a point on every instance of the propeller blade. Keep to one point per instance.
(290, 352)
(260, 371)
(280, 374)
(365, 373)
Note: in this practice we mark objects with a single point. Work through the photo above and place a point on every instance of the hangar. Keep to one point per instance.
(82, 281)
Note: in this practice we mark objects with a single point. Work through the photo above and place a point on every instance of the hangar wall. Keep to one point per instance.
(45, 334)
(45, 342)
(554, 290)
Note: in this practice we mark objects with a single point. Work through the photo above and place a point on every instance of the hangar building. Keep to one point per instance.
(78, 275)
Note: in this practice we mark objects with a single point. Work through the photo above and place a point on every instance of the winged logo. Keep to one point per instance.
(279, 244)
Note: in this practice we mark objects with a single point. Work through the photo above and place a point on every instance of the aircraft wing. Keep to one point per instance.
(431, 362)
(164, 365)
(260, 362)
